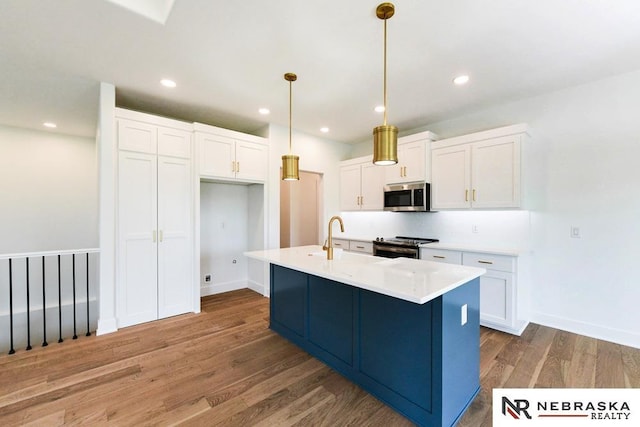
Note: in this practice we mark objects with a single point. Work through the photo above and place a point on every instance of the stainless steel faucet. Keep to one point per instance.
(329, 247)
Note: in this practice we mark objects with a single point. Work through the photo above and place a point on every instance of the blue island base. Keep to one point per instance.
(420, 359)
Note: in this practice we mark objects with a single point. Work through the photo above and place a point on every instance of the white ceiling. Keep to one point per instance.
(229, 57)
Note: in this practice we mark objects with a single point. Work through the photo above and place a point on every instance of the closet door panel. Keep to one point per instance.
(175, 245)
(137, 249)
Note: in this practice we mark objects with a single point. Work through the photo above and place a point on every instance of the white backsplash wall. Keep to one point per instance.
(495, 229)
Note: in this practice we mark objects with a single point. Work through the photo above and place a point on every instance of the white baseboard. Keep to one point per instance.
(107, 326)
(619, 336)
(219, 288)
(258, 287)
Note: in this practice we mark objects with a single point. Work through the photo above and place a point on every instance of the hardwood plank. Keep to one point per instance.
(582, 368)
(609, 370)
(224, 366)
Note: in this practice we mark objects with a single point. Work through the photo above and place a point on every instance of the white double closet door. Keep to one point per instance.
(155, 259)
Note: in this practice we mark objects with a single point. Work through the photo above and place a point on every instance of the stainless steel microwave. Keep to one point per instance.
(409, 197)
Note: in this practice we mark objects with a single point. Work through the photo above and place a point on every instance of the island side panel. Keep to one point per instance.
(460, 350)
(331, 323)
(396, 348)
(288, 303)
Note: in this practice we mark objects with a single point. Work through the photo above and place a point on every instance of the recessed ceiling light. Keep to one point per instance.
(324, 129)
(263, 111)
(379, 109)
(167, 83)
(50, 125)
(461, 80)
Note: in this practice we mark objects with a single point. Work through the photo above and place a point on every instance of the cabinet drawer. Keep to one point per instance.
(441, 255)
(340, 243)
(489, 261)
(359, 246)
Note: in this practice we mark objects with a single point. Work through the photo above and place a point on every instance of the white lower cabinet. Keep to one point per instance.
(154, 222)
(498, 286)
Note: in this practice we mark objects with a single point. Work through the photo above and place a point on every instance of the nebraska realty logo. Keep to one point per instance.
(566, 407)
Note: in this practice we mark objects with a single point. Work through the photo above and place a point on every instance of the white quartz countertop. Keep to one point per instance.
(409, 279)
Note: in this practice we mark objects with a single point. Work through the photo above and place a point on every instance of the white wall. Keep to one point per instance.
(224, 235)
(584, 162)
(48, 191)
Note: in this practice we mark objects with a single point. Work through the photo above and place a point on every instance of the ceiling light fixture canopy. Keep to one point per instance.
(290, 171)
(385, 137)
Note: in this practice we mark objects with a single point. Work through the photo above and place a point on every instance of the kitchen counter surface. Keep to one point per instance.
(408, 279)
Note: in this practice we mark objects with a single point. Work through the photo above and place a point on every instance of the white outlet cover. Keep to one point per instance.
(463, 315)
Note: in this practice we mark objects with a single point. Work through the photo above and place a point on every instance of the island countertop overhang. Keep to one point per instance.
(412, 280)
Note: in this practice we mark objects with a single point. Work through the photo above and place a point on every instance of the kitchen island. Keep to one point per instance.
(405, 330)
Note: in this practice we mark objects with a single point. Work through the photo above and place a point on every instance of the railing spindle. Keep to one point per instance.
(44, 309)
(11, 349)
(75, 334)
(88, 334)
(59, 303)
(28, 311)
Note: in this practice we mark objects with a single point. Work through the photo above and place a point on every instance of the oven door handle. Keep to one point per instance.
(395, 249)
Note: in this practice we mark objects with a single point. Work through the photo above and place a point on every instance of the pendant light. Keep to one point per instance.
(290, 170)
(385, 137)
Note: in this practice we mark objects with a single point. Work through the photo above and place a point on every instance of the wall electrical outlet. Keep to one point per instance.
(575, 232)
(474, 228)
(207, 278)
(463, 315)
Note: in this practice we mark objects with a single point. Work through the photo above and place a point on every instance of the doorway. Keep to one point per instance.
(300, 210)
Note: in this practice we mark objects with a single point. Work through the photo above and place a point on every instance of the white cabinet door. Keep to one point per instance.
(175, 244)
(217, 156)
(412, 156)
(251, 161)
(174, 142)
(496, 298)
(412, 164)
(372, 179)
(137, 136)
(495, 173)
(451, 177)
(350, 188)
(137, 249)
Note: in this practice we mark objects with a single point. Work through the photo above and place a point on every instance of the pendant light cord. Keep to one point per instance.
(385, 72)
(290, 113)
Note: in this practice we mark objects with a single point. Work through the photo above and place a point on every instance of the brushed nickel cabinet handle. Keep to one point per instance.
(359, 247)
(485, 262)
(466, 195)
(160, 233)
(154, 236)
(238, 167)
(474, 194)
(439, 257)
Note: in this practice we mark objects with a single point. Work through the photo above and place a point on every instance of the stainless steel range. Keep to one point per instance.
(399, 246)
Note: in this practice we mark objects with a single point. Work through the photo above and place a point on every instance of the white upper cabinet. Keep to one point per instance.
(414, 154)
(481, 170)
(225, 154)
(361, 185)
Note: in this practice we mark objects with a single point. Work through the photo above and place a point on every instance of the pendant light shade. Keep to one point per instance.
(385, 137)
(290, 170)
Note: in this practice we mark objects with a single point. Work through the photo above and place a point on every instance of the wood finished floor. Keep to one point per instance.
(223, 367)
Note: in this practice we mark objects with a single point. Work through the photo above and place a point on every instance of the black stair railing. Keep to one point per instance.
(58, 273)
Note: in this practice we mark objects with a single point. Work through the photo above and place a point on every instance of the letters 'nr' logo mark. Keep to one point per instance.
(516, 409)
